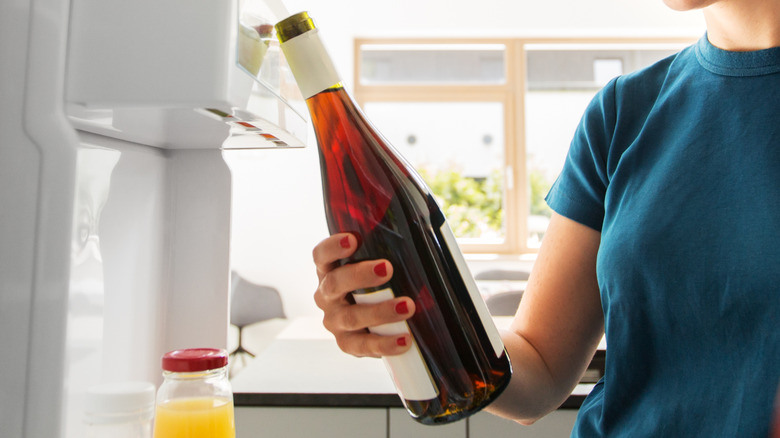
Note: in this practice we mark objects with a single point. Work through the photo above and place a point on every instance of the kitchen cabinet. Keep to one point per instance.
(553, 425)
(323, 422)
(401, 425)
(300, 422)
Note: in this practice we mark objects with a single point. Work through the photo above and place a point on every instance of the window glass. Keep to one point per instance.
(551, 118)
(432, 64)
(458, 148)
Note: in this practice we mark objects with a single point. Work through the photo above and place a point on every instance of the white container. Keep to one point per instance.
(119, 410)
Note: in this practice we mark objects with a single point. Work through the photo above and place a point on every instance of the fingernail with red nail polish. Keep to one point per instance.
(380, 269)
(344, 242)
(401, 342)
(402, 308)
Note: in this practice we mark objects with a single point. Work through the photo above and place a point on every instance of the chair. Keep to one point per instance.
(502, 274)
(504, 303)
(251, 303)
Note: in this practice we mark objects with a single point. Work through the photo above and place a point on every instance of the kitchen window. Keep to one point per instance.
(487, 122)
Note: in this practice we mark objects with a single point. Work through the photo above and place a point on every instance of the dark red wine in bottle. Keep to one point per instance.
(457, 364)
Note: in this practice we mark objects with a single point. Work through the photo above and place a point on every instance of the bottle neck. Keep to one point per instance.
(310, 64)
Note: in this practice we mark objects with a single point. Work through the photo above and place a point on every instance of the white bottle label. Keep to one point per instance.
(411, 376)
(471, 285)
(310, 63)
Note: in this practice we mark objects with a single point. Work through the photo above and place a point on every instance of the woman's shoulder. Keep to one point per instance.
(634, 93)
(650, 81)
(625, 103)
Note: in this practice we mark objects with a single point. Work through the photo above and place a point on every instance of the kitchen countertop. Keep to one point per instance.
(304, 367)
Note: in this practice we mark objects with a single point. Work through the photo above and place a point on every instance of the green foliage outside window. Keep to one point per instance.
(474, 206)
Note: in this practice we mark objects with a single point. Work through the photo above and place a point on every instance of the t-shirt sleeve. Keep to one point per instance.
(579, 191)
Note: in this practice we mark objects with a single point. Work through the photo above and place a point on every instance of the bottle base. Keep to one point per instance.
(421, 410)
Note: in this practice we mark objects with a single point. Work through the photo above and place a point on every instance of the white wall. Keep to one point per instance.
(278, 216)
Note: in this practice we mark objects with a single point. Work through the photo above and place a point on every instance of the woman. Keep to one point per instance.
(666, 236)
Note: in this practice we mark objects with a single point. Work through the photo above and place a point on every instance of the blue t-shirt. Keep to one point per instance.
(678, 166)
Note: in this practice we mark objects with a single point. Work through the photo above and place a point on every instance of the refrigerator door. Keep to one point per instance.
(114, 196)
(37, 180)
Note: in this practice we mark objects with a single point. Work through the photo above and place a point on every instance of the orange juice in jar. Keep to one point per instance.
(195, 400)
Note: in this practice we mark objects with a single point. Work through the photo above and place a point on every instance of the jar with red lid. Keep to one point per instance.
(195, 399)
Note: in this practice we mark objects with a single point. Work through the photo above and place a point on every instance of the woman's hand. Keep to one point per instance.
(348, 322)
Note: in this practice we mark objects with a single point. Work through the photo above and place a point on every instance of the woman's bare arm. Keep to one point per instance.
(558, 326)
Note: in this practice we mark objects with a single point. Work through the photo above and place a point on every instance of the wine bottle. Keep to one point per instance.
(457, 364)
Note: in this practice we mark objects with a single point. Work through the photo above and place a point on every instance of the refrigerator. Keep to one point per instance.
(115, 196)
